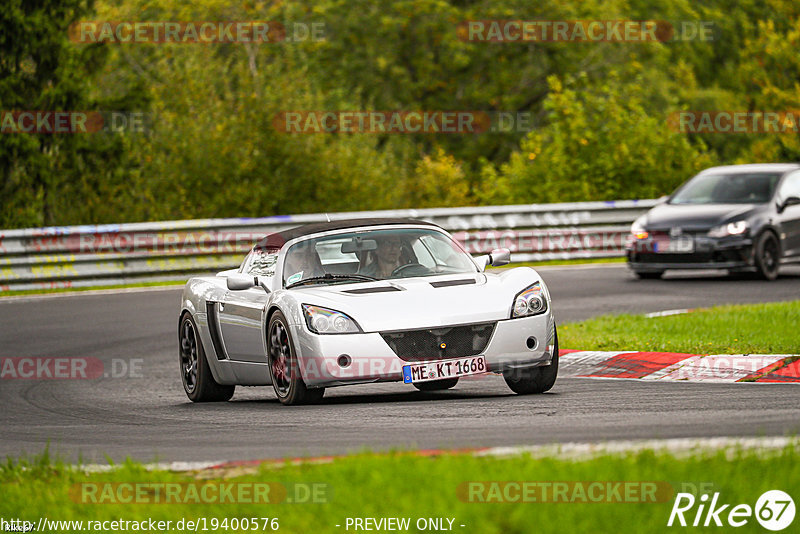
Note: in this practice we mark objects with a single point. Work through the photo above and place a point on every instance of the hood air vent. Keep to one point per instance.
(448, 283)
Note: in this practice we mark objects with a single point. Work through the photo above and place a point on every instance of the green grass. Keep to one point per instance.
(403, 485)
(749, 329)
(90, 288)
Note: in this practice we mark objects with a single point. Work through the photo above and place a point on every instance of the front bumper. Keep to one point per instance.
(372, 360)
(733, 253)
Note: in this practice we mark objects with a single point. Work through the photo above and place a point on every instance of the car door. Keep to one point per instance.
(789, 218)
(240, 322)
(241, 312)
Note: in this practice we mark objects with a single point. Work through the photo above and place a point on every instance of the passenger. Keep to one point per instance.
(302, 262)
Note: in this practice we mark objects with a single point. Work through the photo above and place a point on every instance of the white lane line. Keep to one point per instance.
(667, 313)
(560, 450)
(675, 445)
(577, 266)
(159, 466)
(90, 292)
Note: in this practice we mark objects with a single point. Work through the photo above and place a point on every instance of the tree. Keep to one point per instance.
(50, 178)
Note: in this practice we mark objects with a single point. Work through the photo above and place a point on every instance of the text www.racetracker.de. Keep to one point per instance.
(199, 524)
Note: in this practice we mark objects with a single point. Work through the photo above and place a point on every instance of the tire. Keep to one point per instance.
(649, 275)
(437, 385)
(284, 368)
(198, 382)
(767, 258)
(535, 380)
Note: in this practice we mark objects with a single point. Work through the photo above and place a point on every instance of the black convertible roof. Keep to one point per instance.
(278, 239)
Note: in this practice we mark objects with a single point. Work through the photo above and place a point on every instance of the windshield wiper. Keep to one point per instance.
(329, 277)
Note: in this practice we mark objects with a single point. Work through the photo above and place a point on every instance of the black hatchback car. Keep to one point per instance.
(743, 218)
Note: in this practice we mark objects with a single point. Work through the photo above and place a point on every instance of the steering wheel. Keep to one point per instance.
(403, 268)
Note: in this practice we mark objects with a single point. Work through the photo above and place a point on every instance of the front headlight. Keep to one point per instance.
(638, 230)
(531, 301)
(734, 228)
(325, 321)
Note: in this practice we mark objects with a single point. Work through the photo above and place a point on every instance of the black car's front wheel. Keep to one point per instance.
(537, 379)
(767, 256)
(284, 368)
(198, 382)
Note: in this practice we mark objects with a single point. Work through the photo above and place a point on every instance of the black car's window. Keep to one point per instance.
(790, 187)
(739, 188)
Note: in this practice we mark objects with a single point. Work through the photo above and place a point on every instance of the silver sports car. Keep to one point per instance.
(362, 301)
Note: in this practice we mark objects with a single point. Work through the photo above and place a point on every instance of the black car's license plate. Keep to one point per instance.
(677, 245)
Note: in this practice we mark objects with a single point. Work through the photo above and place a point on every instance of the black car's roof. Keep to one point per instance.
(278, 239)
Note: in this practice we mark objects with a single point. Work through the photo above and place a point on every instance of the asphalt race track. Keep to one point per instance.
(148, 417)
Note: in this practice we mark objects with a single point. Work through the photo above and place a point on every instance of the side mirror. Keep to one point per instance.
(240, 282)
(790, 201)
(500, 256)
(482, 261)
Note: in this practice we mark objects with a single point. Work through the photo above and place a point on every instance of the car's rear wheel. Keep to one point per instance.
(284, 367)
(649, 275)
(437, 385)
(198, 382)
(767, 256)
(537, 379)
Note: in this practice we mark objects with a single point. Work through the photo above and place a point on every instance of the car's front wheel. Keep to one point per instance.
(198, 382)
(767, 256)
(536, 379)
(284, 367)
(437, 385)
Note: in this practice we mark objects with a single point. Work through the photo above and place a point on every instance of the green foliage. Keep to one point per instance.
(211, 148)
(437, 181)
(600, 141)
(50, 179)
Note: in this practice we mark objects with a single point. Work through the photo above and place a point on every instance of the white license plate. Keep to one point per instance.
(680, 245)
(422, 372)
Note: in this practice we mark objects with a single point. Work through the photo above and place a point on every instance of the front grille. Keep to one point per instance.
(458, 341)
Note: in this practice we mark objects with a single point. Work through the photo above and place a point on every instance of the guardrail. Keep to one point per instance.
(75, 256)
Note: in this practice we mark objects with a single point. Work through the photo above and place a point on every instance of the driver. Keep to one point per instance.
(386, 258)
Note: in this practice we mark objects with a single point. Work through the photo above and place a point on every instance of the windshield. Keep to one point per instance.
(374, 254)
(739, 188)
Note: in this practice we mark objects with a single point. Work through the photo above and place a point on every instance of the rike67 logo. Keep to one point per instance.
(774, 510)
